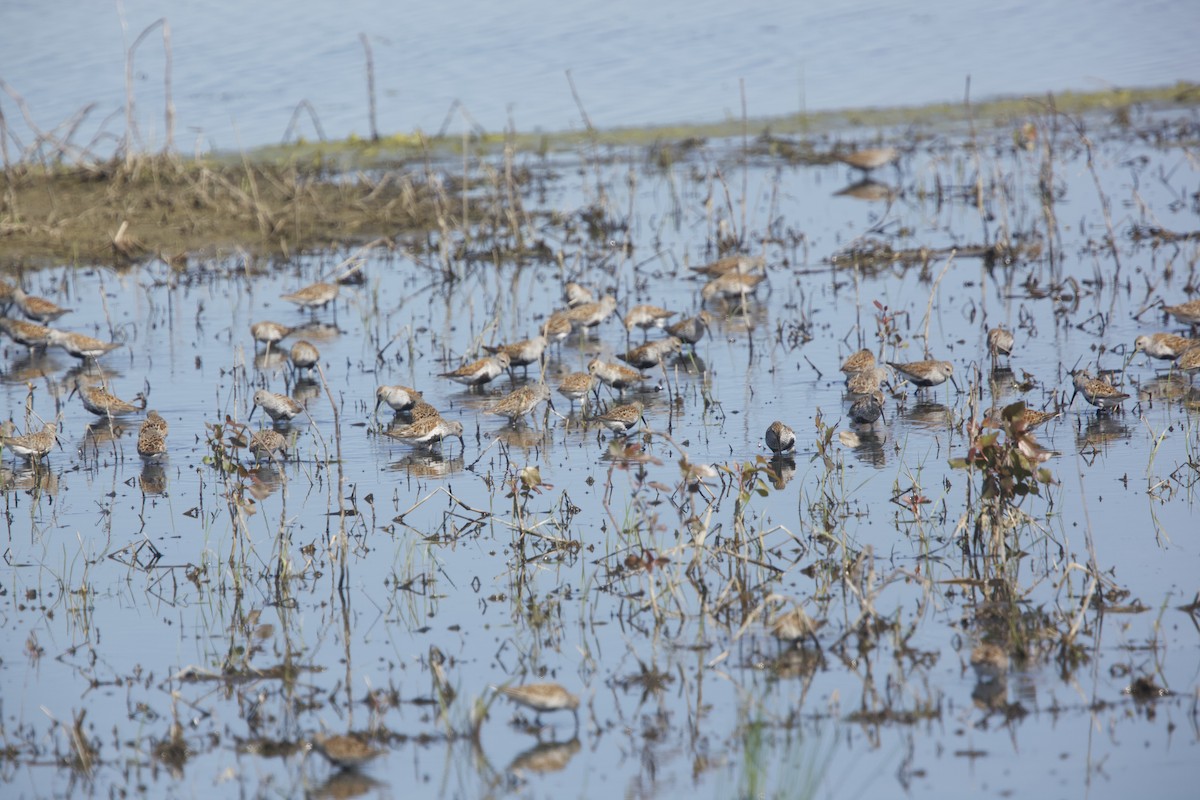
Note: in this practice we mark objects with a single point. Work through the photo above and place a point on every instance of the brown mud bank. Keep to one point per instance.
(304, 196)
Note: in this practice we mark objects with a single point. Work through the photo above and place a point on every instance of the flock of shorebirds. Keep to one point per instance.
(731, 279)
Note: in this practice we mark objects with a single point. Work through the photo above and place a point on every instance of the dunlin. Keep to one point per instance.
(421, 410)
(522, 353)
(1189, 361)
(999, 342)
(278, 406)
(81, 346)
(868, 158)
(1188, 313)
(650, 354)
(429, 430)
(520, 402)
(313, 296)
(480, 372)
(647, 317)
(1165, 346)
(742, 264)
(575, 386)
(926, 373)
(155, 422)
(780, 438)
(691, 330)
(29, 334)
(151, 443)
(344, 751)
(542, 697)
(576, 294)
(558, 326)
(731, 285)
(269, 333)
(615, 375)
(795, 625)
(1101, 394)
(1028, 419)
(37, 308)
(589, 315)
(857, 362)
(304, 356)
(103, 403)
(268, 444)
(866, 410)
(621, 419)
(866, 381)
(398, 398)
(32, 445)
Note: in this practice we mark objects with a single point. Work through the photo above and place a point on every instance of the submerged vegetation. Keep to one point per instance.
(712, 615)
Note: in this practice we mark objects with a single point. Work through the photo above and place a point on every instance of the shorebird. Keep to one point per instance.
(398, 398)
(522, 353)
(739, 263)
(101, 402)
(31, 446)
(857, 362)
(347, 752)
(1102, 394)
(37, 308)
(589, 315)
(152, 441)
(780, 438)
(1189, 362)
(646, 317)
(795, 625)
(304, 356)
(429, 430)
(691, 330)
(1164, 346)
(621, 419)
(576, 386)
(1000, 343)
(313, 296)
(558, 326)
(650, 354)
(480, 372)
(1188, 313)
(866, 410)
(576, 294)
(615, 375)
(868, 158)
(732, 285)
(924, 374)
(421, 410)
(29, 334)
(278, 406)
(866, 381)
(269, 333)
(155, 422)
(542, 697)
(81, 346)
(267, 444)
(1029, 418)
(520, 402)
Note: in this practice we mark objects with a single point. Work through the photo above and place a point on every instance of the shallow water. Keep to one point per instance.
(683, 690)
(240, 70)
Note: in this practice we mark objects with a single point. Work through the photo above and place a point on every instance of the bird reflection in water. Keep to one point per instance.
(153, 479)
(426, 463)
(783, 469)
(545, 757)
(870, 190)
